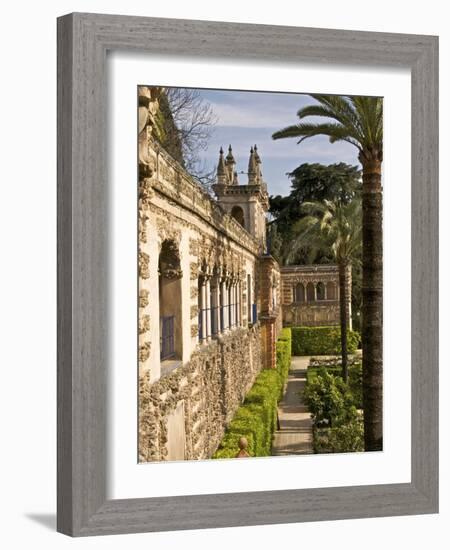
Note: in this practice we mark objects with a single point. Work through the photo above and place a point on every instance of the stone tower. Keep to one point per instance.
(248, 204)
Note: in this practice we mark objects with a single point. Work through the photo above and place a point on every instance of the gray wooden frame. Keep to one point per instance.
(83, 41)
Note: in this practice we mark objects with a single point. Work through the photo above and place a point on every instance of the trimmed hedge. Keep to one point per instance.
(284, 352)
(256, 419)
(321, 340)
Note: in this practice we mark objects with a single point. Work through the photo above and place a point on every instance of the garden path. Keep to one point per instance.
(295, 434)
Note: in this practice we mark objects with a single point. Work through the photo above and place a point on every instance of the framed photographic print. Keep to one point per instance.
(247, 274)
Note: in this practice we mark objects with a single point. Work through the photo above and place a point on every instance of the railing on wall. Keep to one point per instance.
(167, 340)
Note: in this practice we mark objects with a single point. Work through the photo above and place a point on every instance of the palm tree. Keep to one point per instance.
(359, 121)
(335, 226)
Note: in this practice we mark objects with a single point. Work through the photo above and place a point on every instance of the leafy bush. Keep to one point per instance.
(335, 404)
(328, 397)
(354, 378)
(321, 340)
(256, 418)
(346, 438)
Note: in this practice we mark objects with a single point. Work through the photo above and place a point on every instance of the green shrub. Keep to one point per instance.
(256, 418)
(354, 379)
(283, 351)
(338, 424)
(346, 438)
(328, 397)
(321, 340)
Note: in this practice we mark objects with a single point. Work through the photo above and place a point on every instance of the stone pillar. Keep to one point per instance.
(224, 292)
(239, 299)
(235, 309)
(203, 302)
(208, 309)
(214, 308)
(315, 292)
(230, 302)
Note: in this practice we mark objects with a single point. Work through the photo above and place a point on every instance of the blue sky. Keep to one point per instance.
(246, 118)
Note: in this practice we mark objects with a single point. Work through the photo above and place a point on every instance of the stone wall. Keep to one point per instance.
(189, 243)
(210, 388)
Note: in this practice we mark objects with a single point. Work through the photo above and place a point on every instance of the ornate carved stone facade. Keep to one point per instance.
(310, 295)
(211, 386)
(209, 299)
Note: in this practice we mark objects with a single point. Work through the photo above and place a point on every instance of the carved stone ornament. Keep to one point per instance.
(167, 232)
(194, 270)
(144, 324)
(171, 273)
(144, 352)
(144, 260)
(194, 312)
(143, 298)
(194, 292)
(146, 192)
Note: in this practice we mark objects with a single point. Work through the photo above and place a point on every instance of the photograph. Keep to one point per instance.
(260, 273)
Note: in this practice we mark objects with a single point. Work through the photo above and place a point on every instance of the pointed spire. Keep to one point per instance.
(252, 167)
(258, 165)
(235, 179)
(221, 169)
(230, 164)
(230, 157)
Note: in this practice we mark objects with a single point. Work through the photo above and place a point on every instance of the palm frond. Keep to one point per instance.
(334, 131)
(357, 120)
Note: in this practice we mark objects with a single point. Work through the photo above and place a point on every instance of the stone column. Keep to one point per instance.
(315, 292)
(232, 302)
(239, 299)
(236, 307)
(208, 309)
(223, 291)
(203, 303)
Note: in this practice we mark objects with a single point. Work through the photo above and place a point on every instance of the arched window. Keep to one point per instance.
(331, 291)
(238, 214)
(320, 289)
(300, 293)
(170, 322)
(310, 294)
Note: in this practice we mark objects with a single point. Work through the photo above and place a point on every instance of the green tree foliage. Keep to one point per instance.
(310, 183)
(358, 120)
(336, 225)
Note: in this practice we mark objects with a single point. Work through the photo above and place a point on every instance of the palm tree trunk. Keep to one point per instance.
(343, 300)
(372, 306)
